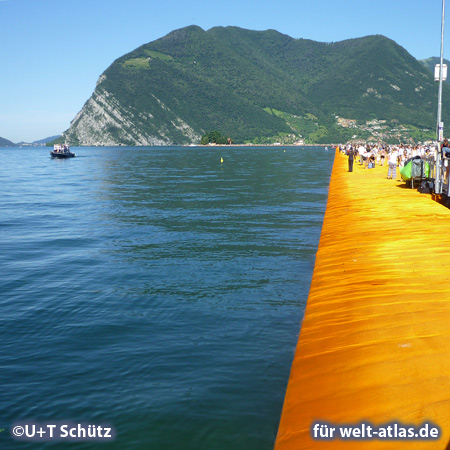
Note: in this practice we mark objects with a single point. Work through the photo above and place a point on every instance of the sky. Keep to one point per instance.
(52, 52)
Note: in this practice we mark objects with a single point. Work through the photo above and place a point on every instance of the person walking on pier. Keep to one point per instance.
(361, 151)
(392, 171)
(351, 155)
(382, 156)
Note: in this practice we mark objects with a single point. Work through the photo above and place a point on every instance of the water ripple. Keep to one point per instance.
(157, 289)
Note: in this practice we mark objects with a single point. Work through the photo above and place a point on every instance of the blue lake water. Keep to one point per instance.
(156, 289)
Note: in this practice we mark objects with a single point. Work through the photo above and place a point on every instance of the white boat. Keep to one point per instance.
(61, 151)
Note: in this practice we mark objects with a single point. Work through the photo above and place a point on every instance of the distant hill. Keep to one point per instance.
(5, 143)
(430, 63)
(260, 87)
(47, 140)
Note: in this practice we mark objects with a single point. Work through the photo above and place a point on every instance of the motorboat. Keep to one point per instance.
(62, 151)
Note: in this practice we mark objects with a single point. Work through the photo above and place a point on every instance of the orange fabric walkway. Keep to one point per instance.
(375, 340)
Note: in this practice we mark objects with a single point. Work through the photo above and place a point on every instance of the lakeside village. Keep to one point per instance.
(307, 131)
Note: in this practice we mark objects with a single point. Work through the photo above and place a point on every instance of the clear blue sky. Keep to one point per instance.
(53, 51)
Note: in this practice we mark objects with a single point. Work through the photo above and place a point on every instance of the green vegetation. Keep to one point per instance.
(215, 137)
(265, 87)
(304, 127)
(139, 63)
(58, 140)
(158, 55)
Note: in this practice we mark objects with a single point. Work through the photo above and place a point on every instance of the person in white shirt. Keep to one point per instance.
(361, 151)
(392, 171)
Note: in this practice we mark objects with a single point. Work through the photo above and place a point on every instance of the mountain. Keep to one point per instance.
(46, 140)
(5, 143)
(259, 86)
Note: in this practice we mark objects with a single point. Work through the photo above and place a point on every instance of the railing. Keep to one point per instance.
(440, 174)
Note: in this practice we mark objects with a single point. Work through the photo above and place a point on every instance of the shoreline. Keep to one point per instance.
(330, 146)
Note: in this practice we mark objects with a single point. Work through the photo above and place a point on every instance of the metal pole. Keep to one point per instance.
(438, 186)
(441, 70)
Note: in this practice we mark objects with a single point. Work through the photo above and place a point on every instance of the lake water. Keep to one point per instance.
(156, 289)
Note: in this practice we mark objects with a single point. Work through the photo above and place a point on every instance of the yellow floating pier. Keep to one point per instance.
(375, 340)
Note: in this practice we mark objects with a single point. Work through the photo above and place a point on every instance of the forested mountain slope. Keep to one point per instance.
(259, 86)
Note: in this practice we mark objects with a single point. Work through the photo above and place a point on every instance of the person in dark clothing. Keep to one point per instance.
(445, 150)
(351, 154)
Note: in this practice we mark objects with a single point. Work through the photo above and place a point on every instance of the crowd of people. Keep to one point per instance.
(394, 156)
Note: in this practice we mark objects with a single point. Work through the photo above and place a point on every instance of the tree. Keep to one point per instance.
(215, 137)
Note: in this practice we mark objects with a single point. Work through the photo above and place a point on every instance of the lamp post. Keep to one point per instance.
(441, 76)
(440, 125)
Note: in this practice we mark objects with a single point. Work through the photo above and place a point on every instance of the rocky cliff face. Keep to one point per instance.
(104, 120)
